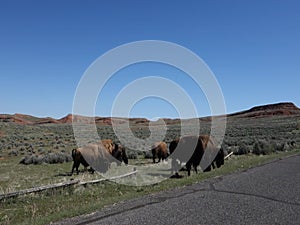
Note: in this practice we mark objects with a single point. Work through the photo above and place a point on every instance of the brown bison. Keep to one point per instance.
(159, 150)
(99, 154)
(191, 149)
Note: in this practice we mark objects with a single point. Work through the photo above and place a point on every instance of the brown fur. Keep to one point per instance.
(115, 150)
(159, 150)
(109, 145)
(101, 152)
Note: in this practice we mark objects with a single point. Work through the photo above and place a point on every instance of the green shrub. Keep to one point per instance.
(263, 147)
(27, 160)
(13, 153)
(243, 149)
(233, 149)
(132, 154)
(280, 147)
(50, 158)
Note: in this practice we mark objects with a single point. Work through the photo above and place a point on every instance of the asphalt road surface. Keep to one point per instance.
(268, 194)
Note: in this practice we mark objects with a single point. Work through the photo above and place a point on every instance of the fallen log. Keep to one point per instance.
(38, 189)
(227, 156)
(107, 179)
(60, 185)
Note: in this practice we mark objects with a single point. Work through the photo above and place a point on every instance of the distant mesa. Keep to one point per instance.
(67, 119)
(277, 106)
(26, 119)
(278, 109)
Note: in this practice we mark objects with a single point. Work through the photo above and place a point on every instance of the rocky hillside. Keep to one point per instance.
(278, 109)
(31, 120)
(284, 109)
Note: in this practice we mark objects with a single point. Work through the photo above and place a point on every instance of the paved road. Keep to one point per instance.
(269, 194)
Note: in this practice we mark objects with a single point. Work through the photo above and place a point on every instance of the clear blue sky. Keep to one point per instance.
(252, 47)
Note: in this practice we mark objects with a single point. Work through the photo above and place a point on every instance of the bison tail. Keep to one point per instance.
(74, 153)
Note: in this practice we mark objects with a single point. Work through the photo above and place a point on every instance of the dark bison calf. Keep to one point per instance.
(159, 150)
(196, 147)
(96, 152)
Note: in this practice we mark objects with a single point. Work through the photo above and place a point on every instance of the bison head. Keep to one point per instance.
(119, 153)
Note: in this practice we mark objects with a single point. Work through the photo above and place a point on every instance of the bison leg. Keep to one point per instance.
(75, 165)
(77, 170)
(195, 168)
(164, 157)
(213, 165)
(153, 155)
(85, 169)
(188, 167)
(124, 157)
(91, 170)
(159, 155)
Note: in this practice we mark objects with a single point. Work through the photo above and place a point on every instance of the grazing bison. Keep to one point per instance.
(99, 151)
(159, 150)
(195, 147)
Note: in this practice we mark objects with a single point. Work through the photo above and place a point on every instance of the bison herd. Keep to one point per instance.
(191, 150)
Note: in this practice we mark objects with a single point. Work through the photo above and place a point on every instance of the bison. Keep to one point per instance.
(159, 150)
(99, 151)
(195, 147)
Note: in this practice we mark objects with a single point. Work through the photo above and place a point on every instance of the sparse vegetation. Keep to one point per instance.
(46, 151)
(50, 158)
